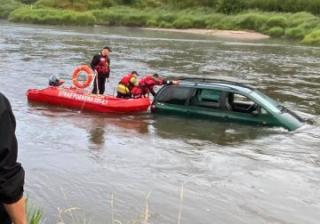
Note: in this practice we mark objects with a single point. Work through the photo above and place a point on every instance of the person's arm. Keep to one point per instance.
(108, 74)
(151, 90)
(11, 172)
(17, 211)
(95, 61)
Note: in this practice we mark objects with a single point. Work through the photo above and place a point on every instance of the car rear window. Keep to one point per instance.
(174, 95)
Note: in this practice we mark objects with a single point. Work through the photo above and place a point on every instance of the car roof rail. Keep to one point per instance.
(197, 80)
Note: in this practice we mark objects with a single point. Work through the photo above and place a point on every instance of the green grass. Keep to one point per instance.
(34, 215)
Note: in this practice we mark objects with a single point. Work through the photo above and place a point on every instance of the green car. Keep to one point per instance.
(223, 101)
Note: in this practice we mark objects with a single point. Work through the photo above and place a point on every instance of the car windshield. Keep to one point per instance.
(266, 101)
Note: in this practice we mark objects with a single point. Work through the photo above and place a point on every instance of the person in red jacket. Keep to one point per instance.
(12, 203)
(100, 64)
(147, 84)
(126, 84)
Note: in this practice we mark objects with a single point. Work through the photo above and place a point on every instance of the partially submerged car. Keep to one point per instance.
(224, 101)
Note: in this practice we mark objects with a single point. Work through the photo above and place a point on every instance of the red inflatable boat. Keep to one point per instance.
(83, 100)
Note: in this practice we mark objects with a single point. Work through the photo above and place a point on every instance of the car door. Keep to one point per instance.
(240, 108)
(206, 103)
(173, 100)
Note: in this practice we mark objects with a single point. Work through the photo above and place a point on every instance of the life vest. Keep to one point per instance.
(145, 84)
(123, 89)
(148, 82)
(137, 92)
(103, 66)
(129, 80)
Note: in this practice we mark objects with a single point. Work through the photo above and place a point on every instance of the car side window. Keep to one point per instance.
(239, 103)
(174, 95)
(208, 98)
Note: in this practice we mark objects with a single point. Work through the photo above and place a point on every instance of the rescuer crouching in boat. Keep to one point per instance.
(127, 83)
(146, 85)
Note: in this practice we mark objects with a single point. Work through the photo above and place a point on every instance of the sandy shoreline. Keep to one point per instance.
(242, 35)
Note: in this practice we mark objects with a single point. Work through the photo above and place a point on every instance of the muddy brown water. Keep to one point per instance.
(231, 173)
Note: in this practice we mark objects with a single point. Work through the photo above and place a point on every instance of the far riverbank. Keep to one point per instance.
(301, 27)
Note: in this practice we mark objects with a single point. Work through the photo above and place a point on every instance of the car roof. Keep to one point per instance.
(216, 84)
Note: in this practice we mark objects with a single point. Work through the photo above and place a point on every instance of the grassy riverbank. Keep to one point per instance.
(282, 23)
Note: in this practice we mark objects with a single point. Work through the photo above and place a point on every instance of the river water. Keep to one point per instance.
(86, 166)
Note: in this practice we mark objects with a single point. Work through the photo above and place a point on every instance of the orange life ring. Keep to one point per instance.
(89, 76)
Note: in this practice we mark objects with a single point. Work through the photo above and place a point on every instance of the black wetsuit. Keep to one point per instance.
(102, 75)
(11, 172)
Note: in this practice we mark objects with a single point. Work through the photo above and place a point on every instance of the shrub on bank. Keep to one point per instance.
(121, 16)
(280, 21)
(163, 19)
(312, 38)
(183, 22)
(51, 16)
(148, 4)
(107, 17)
(252, 20)
(213, 20)
(295, 33)
(292, 6)
(276, 31)
(136, 20)
(101, 4)
(230, 6)
(299, 18)
(227, 23)
(80, 5)
(63, 4)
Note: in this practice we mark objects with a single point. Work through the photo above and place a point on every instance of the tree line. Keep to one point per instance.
(223, 6)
